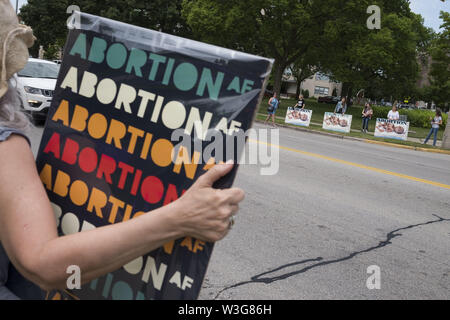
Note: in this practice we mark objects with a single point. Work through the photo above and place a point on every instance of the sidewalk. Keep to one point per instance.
(390, 144)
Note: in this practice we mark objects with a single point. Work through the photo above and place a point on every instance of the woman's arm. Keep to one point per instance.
(337, 107)
(29, 235)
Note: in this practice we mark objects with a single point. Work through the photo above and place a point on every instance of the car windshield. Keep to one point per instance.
(35, 69)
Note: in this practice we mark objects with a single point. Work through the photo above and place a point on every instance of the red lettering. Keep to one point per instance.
(152, 190)
(88, 160)
(171, 194)
(106, 168)
(70, 152)
(53, 145)
(126, 169)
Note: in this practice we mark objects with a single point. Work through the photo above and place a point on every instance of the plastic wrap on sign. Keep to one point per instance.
(130, 129)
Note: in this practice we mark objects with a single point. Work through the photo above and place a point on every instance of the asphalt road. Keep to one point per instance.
(335, 208)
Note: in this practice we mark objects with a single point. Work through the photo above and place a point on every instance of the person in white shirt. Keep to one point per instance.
(435, 123)
(393, 114)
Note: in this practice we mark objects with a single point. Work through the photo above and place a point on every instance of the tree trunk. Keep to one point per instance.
(299, 89)
(446, 138)
(278, 78)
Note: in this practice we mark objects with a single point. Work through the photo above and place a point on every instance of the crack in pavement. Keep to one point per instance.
(267, 280)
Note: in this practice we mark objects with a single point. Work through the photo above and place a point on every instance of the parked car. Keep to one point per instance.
(328, 99)
(36, 84)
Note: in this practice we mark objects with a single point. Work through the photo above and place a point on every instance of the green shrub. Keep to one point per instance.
(305, 93)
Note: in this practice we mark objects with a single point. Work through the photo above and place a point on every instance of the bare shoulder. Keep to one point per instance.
(24, 204)
(16, 154)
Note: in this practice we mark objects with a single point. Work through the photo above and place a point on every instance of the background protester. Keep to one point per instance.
(301, 102)
(435, 123)
(272, 109)
(367, 114)
(28, 228)
(394, 114)
(341, 107)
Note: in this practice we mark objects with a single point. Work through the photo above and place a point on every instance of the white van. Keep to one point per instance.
(36, 83)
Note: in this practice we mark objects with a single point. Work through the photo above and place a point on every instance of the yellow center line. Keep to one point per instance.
(319, 156)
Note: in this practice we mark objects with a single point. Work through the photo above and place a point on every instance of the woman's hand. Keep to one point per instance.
(204, 212)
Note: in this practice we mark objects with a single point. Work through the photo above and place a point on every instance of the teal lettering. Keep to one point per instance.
(157, 60)
(206, 80)
(235, 85)
(116, 56)
(185, 76)
(247, 86)
(168, 72)
(98, 49)
(79, 47)
(137, 60)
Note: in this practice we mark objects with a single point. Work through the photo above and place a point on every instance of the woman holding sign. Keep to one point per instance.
(366, 116)
(393, 114)
(341, 106)
(29, 244)
(435, 123)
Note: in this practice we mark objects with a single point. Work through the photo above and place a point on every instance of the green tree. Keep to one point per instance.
(302, 70)
(440, 67)
(48, 17)
(440, 72)
(48, 20)
(281, 29)
(334, 32)
(383, 62)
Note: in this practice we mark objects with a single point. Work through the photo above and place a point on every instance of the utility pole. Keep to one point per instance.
(17, 7)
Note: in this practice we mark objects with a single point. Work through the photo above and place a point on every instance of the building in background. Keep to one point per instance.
(318, 85)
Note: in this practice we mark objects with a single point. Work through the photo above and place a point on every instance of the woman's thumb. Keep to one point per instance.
(215, 173)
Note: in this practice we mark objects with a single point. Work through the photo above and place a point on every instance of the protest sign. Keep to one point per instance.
(337, 122)
(111, 148)
(298, 116)
(392, 129)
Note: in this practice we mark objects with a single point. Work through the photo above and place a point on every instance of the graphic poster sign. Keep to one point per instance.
(298, 116)
(111, 151)
(392, 129)
(337, 122)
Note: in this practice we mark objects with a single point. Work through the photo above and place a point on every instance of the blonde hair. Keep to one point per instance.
(11, 105)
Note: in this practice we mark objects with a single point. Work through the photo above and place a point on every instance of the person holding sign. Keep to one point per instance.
(28, 228)
(393, 114)
(301, 103)
(367, 114)
(341, 106)
(272, 109)
(435, 123)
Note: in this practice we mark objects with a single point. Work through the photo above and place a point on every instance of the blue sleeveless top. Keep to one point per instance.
(13, 286)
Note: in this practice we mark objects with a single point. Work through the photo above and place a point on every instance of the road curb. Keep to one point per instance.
(388, 144)
(408, 147)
